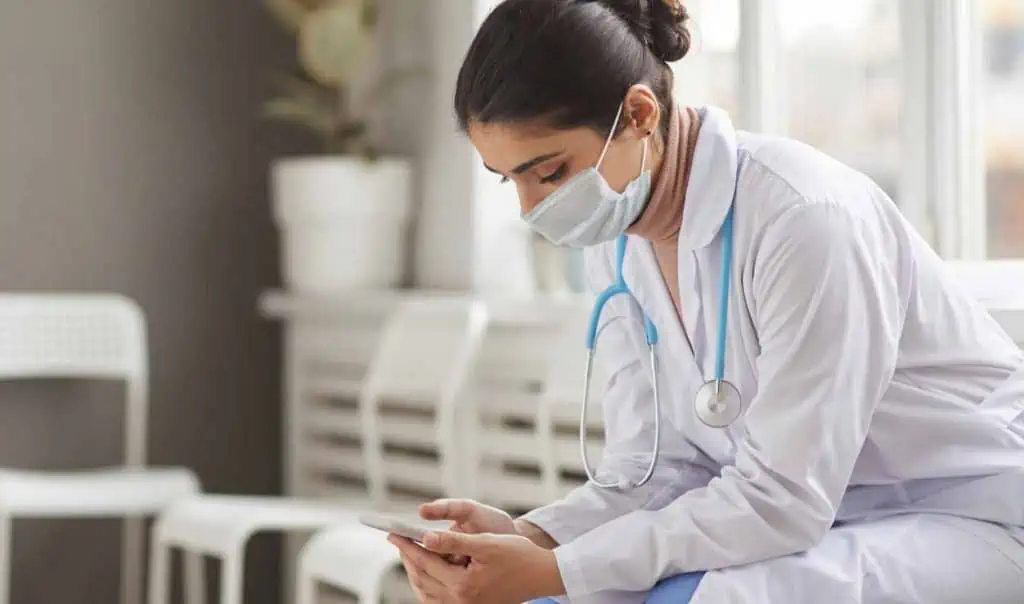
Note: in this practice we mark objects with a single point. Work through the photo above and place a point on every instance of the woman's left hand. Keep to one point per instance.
(503, 569)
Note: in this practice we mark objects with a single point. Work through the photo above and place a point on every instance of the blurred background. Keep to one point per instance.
(271, 181)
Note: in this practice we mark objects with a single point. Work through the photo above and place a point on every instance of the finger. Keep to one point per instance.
(428, 590)
(450, 542)
(428, 562)
(456, 510)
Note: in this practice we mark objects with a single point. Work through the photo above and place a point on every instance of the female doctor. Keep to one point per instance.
(826, 416)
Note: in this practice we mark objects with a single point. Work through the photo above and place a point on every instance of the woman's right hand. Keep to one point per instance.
(468, 516)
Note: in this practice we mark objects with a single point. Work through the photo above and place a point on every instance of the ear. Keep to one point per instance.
(641, 112)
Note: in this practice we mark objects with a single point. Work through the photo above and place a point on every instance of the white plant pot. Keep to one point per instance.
(343, 222)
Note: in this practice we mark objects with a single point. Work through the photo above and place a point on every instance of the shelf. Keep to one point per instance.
(536, 311)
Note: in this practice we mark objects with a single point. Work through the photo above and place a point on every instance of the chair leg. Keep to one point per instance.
(195, 578)
(132, 555)
(5, 559)
(231, 577)
(159, 571)
(306, 585)
(293, 543)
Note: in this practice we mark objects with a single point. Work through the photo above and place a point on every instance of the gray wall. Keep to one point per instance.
(132, 160)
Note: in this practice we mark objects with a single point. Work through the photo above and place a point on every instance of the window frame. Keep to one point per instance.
(943, 179)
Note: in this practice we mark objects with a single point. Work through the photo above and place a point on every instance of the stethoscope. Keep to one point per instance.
(717, 403)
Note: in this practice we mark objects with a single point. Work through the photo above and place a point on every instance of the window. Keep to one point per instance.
(708, 75)
(1002, 82)
(841, 81)
(924, 96)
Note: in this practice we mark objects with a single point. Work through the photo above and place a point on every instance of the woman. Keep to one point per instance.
(878, 452)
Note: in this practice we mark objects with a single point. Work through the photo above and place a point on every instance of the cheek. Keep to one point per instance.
(618, 175)
(621, 166)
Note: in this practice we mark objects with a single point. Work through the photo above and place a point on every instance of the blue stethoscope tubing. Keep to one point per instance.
(618, 287)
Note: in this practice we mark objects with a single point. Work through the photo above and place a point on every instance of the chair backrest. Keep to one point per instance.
(527, 399)
(96, 336)
(992, 281)
(559, 414)
(1011, 319)
(412, 429)
(999, 285)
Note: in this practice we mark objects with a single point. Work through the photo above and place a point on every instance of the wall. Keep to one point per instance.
(448, 208)
(132, 160)
(486, 247)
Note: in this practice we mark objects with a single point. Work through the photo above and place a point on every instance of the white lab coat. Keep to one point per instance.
(884, 409)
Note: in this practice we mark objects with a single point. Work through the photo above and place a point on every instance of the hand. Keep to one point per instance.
(468, 516)
(503, 569)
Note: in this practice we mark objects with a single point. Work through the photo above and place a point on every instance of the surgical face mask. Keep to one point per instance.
(586, 211)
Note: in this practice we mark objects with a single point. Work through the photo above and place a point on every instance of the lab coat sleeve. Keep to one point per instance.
(827, 314)
(628, 407)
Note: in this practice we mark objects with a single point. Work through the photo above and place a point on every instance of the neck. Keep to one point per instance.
(662, 217)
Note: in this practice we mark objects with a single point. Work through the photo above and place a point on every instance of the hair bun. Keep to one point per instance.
(660, 24)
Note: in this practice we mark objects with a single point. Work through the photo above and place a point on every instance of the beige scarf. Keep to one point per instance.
(662, 218)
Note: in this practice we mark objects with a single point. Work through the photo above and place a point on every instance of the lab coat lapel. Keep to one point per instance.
(709, 195)
(712, 185)
(644, 278)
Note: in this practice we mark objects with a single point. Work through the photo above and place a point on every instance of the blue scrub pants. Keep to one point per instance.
(674, 590)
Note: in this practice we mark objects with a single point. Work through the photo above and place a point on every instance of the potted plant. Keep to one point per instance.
(344, 214)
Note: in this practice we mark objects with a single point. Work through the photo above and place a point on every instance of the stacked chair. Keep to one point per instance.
(517, 407)
(91, 337)
(446, 408)
(408, 432)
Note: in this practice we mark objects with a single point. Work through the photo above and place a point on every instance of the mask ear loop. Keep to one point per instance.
(643, 158)
(611, 135)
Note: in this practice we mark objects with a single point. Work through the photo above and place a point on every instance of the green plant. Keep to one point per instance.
(334, 39)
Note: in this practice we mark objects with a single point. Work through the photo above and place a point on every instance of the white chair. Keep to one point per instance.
(423, 359)
(1011, 319)
(991, 281)
(99, 337)
(999, 286)
(558, 416)
(526, 364)
(412, 440)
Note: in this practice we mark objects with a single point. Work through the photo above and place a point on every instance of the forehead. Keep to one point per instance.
(505, 146)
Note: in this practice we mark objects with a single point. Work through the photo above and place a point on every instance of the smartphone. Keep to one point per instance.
(398, 526)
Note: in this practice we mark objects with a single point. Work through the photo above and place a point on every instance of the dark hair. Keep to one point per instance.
(569, 63)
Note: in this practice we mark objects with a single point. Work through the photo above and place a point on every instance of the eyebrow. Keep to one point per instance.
(526, 165)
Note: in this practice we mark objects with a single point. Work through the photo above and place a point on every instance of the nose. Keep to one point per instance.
(528, 200)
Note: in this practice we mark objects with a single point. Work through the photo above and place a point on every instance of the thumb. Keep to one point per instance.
(447, 542)
(456, 510)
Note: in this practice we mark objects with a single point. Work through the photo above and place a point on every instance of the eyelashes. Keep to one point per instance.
(555, 176)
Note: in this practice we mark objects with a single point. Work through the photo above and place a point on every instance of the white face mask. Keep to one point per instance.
(586, 211)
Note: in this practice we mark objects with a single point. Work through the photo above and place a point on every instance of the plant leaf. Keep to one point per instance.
(316, 117)
(333, 43)
(289, 12)
(300, 87)
(371, 14)
(391, 80)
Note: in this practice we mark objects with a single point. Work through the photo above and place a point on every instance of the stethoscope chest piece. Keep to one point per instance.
(718, 404)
